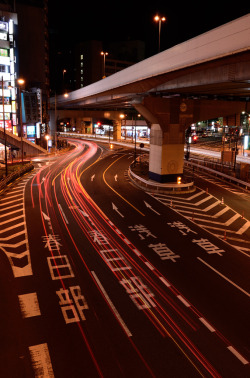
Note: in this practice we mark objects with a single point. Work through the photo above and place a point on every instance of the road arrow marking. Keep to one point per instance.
(116, 177)
(83, 213)
(116, 209)
(92, 177)
(62, 212)
(150, 207)
(46, 216)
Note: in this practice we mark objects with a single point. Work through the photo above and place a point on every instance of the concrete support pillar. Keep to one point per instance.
(166, 153)
(117, 131)
(169, 119)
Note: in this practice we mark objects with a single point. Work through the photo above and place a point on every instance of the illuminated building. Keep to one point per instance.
(8, 69)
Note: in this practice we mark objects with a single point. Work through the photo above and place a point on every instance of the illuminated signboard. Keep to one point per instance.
(4, 26)
(8, 125)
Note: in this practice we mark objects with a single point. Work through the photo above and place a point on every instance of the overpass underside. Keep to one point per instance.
(204, 78)
(169, 118)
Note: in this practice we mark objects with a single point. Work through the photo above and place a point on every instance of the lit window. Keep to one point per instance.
(81, 57)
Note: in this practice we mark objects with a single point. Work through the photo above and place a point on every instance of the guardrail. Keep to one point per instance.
(14, 175)
(237, 182)
(159, 187)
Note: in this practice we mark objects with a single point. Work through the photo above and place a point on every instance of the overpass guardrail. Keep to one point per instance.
(233, 180)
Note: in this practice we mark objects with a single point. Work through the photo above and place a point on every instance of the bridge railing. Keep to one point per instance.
(233, 180)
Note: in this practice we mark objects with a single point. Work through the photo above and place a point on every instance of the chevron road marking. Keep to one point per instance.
(12, 236)
(19, 251)
(186, 208)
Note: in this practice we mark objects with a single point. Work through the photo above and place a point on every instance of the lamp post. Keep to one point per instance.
(4, 131)
(47, 138)
(55, 124)
(21, 82)
(159, 20)
(104, 54)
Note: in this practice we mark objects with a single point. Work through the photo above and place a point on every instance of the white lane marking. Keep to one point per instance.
(10, 237)
(11, 220)
(243, 228)
(12, 227)
(207, 324)
(11, 213)
(129, 334)
(203, 200)
(238, 355)
(41, 361)
(29, 305)
(183, 300)
(164, 281)
(138, 253)
(11, 207)
(10, 202)
(11, 196)
(149, 265)
(211, 206)
(64, 216)
(126, 241)
(225, 278)
(217, 215)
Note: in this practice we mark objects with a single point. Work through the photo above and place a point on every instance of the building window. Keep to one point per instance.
(4, 68)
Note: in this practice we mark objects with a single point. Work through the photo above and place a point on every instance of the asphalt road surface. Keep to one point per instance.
(101, 279)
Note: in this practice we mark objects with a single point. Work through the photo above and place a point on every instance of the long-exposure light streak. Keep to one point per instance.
(86, 209)
(121, 257)
(46, 196)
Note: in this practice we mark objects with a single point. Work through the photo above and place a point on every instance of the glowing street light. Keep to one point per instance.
(4, 131)
(47, 138)
(104, 54)
(21, 82)
(159, 20)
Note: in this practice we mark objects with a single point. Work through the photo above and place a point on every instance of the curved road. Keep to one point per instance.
(102, 279)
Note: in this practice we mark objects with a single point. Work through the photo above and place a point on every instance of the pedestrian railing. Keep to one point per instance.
(14, 175)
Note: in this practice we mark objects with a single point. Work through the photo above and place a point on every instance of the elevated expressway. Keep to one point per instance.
(203, 78)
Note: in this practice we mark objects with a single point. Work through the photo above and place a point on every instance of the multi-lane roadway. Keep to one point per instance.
(102, 279)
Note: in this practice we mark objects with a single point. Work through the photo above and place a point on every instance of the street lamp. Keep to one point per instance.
(123, 116)
(5, 141)
(104, 54)
(21, 82)
(47, 138)
(64, 72)
(159, 20)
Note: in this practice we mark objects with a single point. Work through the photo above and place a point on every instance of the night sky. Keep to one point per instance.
(109, 21)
